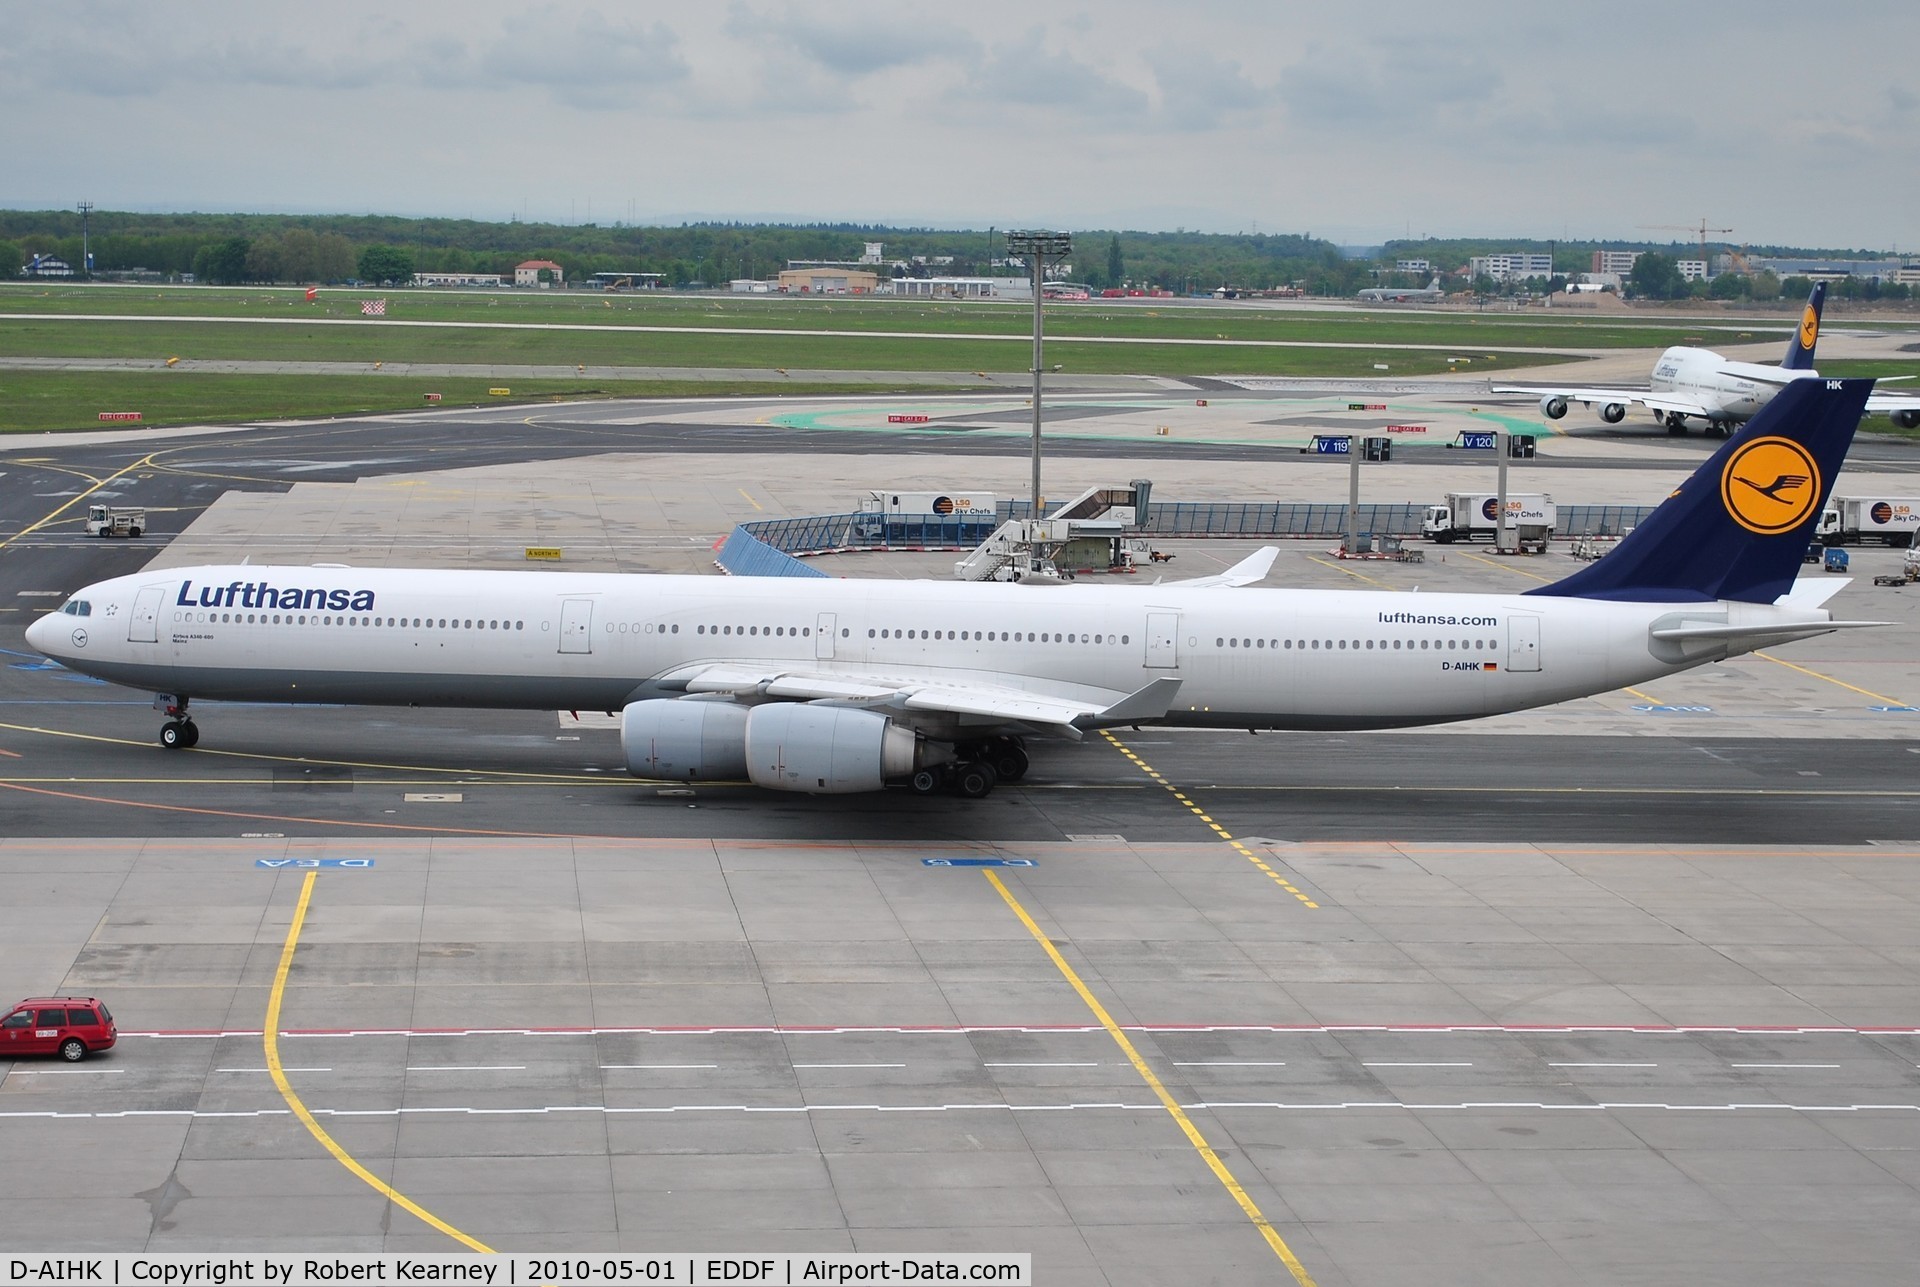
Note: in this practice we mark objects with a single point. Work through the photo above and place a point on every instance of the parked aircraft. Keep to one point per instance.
(831, 685)
(1403, 294)
(1691, 383)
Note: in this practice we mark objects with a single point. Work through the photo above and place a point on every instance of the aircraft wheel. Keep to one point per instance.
(925, 782)
(189, 734)
(173, 735)
(974, 780)
(1010, 763)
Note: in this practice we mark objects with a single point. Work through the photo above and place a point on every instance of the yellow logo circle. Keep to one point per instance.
(1809, 327)
(1770, 485)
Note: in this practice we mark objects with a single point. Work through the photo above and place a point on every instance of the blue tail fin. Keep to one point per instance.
(1800, 348)
(1738, 528)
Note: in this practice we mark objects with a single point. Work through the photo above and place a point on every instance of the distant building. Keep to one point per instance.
(1619, 262)
(872, 252)
(1511, 267)
(1880, 270)
(1412, 266)
(965, 287)
(1693, 270)
(528, 274)
(622, 279)
(750, 286)
(828, 281)
(46, 266)
(458, 279)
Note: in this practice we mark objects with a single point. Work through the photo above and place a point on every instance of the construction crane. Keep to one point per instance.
(1701, 231)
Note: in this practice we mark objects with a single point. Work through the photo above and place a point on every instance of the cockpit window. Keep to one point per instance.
(77, 608)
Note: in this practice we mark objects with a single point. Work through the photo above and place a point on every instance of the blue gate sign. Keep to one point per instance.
(311, 864)
(978, 862)
(1895, 710)
(1332, 445)
(1478, 441)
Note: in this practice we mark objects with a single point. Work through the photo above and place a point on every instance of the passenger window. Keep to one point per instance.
(18, 1019)
(52, 1019)
(82, 1018)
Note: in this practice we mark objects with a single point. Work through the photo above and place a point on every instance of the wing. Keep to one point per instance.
(1887, 402)
(940, 701)
(1626, 397)
(1247, 571)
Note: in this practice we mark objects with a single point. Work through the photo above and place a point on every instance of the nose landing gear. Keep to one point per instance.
(179, 733)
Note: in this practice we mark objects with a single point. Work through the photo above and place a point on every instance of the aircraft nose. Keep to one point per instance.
(40, 632)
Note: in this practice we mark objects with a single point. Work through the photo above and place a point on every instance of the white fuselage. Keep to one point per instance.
(1728, 390)
(591, 641)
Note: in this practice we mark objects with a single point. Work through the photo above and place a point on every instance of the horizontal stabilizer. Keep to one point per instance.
(1778, 629)
(1811, 592)
(1150, 702)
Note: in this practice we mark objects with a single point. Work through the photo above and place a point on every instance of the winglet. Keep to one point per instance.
(1150, 702)
(1246, 572)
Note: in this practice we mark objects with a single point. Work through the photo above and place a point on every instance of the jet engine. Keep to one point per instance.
(830, 750)
(1553, 406)
(684, 740)
(1614, 412)
(1907, 419)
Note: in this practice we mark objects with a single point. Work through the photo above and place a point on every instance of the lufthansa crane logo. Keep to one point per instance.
(1770, 486)
(1809, 327)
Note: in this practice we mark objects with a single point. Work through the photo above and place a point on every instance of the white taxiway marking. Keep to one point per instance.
(67, 1072)
(657, 1067)
(1039, 1065)
(1413, 1065)
(1783, 1065)
(467, 1068)
(261, 1070)
(849, 1065)
(1227, 1063)
(1603, 1065)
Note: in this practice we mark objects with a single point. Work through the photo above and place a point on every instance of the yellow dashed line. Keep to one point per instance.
(1203, 816)
(271, 1039)
(1830, 679)
(1187, 1128)
(750, 500)
(1350, 572)
(1507, 566)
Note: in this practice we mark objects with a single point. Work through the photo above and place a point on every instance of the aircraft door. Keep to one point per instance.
(144, 625)
(1523, 642)
(576, 625)
(1163, 639)
(823, 629)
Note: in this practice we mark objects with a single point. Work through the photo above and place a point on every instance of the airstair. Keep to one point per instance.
(1023, 549)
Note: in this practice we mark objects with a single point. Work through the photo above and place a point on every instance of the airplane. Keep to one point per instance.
(1690, 383)
(1403, 294)
(829, 686)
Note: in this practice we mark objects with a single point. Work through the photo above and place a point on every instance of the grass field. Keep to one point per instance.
(43, 401)
(1136, 320)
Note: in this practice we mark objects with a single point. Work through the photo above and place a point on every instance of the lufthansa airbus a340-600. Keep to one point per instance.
(829, 685)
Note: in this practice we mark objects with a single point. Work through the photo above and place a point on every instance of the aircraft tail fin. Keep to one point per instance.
(1800, 348)
(1739, 527)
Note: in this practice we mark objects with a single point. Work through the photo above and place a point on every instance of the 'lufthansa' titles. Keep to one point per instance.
(259, 594)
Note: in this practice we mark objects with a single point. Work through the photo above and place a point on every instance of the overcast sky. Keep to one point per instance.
(1356, 121)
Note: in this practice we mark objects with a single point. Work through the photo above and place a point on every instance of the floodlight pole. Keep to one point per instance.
(1035, 247)
(86, 256)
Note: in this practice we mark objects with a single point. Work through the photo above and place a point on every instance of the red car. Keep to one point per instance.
(71, 1026)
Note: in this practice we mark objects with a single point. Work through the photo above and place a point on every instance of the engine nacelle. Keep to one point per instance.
(1907, 419)
(1614, 412)
(1553, 406)
(684, 740)
(826, 750)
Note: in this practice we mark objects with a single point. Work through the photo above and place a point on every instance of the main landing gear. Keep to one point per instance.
(980, 767)
(179, 733)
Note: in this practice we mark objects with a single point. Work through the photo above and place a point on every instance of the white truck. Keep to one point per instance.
(959, 513)
(1470, 516)
(1852, 520)
(116, 520)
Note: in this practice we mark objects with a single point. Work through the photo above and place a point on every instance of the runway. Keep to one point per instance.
(1614, 991)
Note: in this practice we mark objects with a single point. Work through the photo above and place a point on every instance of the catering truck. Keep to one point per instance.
(1853, 520)
(1470, 516)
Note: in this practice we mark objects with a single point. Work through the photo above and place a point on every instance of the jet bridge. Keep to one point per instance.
(1086, 533)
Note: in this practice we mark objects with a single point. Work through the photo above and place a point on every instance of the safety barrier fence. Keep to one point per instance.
(768, 547)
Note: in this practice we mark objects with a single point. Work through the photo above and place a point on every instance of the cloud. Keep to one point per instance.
(1201, 92)
(1026, 75)
(850, 43)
